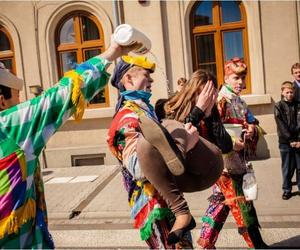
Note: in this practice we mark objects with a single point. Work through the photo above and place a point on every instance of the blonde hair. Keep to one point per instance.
(287, 85)
(180, 105)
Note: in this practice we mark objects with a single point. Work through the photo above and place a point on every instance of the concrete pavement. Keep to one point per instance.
(88, 208)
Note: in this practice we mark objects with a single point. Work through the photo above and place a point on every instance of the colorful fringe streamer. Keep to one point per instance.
(156, 214)
(16, 219)
(77, 97)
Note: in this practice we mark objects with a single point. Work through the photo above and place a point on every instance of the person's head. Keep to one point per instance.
(235, 71)
(10, 86)
(287, 91)
(133, 73)
(180, 83)
(295, 70)
(180, 105)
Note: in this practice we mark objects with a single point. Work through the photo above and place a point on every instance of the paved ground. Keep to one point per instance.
(88, 208)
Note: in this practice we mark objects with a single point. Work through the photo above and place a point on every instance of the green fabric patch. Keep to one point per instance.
(4, 182)
(8, 146)
(213, 224)
(156, 214)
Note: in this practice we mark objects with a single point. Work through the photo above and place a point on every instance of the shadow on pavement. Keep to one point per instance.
(47, 172)
(295, 193)
(263, 151)
(291, 243)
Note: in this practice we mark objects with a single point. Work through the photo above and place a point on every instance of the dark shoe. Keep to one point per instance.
(186, 242)
(256, 238)
(286, 195)
(160, 138)
(178, 234)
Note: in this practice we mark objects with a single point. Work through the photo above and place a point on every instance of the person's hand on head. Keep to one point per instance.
(204, 98)
(212, 103)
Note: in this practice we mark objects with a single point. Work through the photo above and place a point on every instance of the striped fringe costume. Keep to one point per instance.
(150, 212)
(25, 130)
(228, 194)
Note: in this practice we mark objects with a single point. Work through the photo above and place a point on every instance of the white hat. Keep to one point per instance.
(9, 80)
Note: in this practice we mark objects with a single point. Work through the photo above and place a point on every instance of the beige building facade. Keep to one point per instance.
(273, 35)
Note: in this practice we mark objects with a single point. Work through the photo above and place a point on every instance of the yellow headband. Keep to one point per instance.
(140, 61)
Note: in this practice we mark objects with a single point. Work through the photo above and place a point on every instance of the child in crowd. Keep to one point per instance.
(295, 70)
(287, 117)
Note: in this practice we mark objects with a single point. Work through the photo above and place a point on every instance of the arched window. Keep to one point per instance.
(7, 55)
(219, 32)
(79, 36)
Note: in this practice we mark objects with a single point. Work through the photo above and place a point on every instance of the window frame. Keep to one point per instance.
(80, 46)
(8, 54)
(218, 29)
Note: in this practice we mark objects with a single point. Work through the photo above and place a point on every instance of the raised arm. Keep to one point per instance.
(32, 123)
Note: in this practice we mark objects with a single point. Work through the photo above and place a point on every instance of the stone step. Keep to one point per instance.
(129, 238)
(116, 233)
(113, 222)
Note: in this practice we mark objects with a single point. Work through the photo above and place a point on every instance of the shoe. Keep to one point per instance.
(159, 137)
(178, 234)
(286, 195)
(256, 238)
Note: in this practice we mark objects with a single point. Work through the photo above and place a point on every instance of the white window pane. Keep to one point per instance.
(67, 34)
(233, 45)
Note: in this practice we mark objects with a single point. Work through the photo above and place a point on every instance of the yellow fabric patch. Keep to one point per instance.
(140, 61)
(133, 197)
(22, 161)
(149, 189)
(134, 107)
(77, 97)
(13, 222)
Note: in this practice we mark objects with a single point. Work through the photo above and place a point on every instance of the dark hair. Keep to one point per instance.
(5, 91)
(159, 109)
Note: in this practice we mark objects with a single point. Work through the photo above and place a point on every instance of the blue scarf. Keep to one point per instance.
(136, 95)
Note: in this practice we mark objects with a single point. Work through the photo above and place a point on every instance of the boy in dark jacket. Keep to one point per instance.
(287, 113)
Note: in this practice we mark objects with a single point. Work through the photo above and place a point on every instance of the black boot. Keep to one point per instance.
(256, 238)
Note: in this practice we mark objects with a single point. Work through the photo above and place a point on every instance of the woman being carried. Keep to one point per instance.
(195, 104)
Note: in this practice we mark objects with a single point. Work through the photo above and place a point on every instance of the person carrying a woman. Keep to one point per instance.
(154, 177)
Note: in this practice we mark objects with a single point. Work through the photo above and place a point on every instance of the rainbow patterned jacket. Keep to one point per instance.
(24, 131)
(146, 204)
(232, 108)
